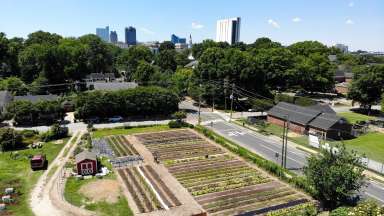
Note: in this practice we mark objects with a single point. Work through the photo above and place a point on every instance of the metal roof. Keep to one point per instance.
(36, 98)
(85, 155)
(294, 113)
(324, 108)
(325, 121)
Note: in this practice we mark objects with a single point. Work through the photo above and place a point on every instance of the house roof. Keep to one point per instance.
(294, 113)
(36, 98)
(192, 64)
(324, 108)
(111, 86)
(85, 155)
(325, 121)
(5, 98)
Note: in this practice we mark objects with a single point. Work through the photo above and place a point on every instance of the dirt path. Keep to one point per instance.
(47, 195)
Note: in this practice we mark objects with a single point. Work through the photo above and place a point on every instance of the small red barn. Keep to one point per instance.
(86, 163)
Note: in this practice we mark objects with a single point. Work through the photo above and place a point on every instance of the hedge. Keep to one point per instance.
(274, 169)
(141, 101)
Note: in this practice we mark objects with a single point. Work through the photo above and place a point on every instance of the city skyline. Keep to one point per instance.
(355, 23)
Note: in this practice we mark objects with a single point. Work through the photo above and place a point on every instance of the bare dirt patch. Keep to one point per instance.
(58, 142)
(101, 190)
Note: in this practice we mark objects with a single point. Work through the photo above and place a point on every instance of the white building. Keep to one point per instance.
(343, 48)
(228, 30)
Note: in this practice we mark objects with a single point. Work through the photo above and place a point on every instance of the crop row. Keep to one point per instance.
(221, 184)
(165, 193)
(142, 194)
(121, 146)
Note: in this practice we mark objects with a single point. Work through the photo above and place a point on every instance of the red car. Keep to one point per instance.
(38, 162)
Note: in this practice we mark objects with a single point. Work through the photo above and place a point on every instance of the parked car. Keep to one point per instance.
(115, 119)
(93, 120)
(39, 162)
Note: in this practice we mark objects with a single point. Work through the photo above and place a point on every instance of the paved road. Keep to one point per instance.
(267, 147)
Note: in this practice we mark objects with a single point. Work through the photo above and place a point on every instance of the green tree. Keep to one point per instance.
(367, 86)
(14, 85)
(336, 176)
(181, 80)
(41, 37)
(10, 140)
(130, 58)
(307, 48)
(144, 73)
(99, 56)
(264, 43)
(166, 60)
(31, 61)
(166, 45)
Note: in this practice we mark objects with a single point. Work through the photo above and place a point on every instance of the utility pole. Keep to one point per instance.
(213, 97)
(283, 146)
(286, 144)
(199, 118)
(225, 93)
(232, 98)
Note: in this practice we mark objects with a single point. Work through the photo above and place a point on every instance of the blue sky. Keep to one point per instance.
(356, 23)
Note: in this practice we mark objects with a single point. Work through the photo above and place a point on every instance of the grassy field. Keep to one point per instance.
(371, 144)
(122, 131)
(18, 174)
(353, 117)
(72, 195)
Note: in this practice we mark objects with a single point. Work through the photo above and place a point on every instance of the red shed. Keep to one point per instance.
(86, 163)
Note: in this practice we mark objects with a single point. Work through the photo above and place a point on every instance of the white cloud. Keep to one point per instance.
(273, 23)
(146, 31)
(296, 19)
(196, 25)
(351, 4)
(349, 22)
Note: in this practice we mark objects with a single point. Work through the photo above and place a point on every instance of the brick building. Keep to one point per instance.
(303, 120)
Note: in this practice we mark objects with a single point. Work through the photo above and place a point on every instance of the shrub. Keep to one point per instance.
(10, 139)
(28, 133)
(178, 124)
(56, 132)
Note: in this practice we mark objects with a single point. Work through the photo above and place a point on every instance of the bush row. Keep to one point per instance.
(271, 167)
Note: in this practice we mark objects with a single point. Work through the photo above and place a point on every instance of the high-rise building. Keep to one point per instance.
(228, 30)
(175, 39)
(103, 33)
(113, 37)
(343, 48)
(130, 35)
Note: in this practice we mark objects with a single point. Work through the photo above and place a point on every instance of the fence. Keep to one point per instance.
(373, 165)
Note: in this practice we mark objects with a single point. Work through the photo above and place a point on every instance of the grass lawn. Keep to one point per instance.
(371, 144)
(353, 117)
(72, 195)
(18, 174)
(122, 131)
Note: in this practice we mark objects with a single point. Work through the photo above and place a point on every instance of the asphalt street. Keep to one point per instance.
(267, 148)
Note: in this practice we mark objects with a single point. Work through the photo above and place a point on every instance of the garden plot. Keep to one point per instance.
(121, 146)
(220, 182)
(143, 196)
(174, 145)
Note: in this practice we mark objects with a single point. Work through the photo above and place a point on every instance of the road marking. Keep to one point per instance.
(262, 145)
(374, 196)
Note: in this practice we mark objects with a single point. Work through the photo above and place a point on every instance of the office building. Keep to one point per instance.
(113, 37)
(175, 39)
(343, 48)
(228, 30)
(103, 33)
(130, 35)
